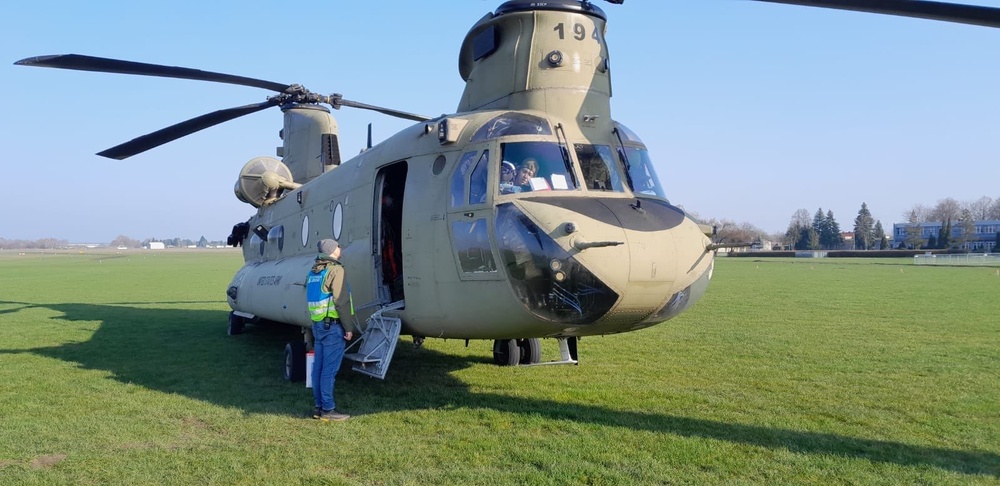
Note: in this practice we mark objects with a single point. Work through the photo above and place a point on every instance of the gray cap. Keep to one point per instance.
(327, 246)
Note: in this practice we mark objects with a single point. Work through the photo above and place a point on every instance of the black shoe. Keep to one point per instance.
(317, 412)
(333, 416)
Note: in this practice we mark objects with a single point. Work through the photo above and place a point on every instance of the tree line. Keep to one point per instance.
(120, 241)
(957, 222)
(821, 231)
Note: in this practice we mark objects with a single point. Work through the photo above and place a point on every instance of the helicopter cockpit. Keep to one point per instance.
(518, 158)
(527, 166)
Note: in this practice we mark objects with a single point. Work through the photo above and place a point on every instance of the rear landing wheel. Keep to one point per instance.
(531, 350)
(236, 324)
(506, 352)
(295, 361)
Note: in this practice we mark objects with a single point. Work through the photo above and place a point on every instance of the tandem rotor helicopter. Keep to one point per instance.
(529, 213)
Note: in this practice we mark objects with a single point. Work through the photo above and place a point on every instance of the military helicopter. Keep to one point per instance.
(528, 213)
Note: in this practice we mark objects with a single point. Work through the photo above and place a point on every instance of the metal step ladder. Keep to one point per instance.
(377, 344)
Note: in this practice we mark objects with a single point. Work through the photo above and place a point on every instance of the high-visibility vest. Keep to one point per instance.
(320, 303)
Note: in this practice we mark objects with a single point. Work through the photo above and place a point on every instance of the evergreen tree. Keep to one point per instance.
(880, 236)
(819, 221)
(808, 239)
(831, 238)
(203, 242)
(996, 247)
(932, 243)
(944, 234)
(864, 234)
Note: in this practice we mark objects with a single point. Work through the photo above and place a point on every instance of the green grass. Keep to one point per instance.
(117, 369)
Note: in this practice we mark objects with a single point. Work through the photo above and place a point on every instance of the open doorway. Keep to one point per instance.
(388, 230)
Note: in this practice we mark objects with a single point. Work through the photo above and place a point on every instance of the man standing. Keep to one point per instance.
(326, 300)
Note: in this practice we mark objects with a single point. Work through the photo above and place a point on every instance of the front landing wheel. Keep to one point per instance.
(506, 352)
(531, 350)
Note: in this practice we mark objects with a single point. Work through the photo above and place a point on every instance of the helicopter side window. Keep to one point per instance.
(477, 184)
(599, 169)
(472, 242)
(512, 123)
(539, 166)
(458, 178)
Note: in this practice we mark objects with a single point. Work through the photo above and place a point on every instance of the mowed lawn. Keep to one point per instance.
(115, 368)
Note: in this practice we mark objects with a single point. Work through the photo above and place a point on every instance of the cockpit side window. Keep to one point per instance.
(538, 166)
(458, 179)
(477, 184)
(600, 172)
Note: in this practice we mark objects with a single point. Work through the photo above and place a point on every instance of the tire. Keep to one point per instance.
(506, 352)
(236, 324)
(295, 361)
(531, 350)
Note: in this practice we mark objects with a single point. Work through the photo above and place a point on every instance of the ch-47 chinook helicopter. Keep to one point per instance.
(530, 213)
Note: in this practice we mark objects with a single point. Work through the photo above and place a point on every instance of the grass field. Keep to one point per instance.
(116, 369)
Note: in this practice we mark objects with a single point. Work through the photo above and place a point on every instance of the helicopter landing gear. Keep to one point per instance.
(531, 350)
(236, 324)
(512, 352)
(506, 352)
(295, 361)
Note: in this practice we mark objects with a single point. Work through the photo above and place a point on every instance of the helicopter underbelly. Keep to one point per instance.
(273, 290)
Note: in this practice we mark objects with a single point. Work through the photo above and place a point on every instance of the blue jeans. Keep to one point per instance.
(328, 344)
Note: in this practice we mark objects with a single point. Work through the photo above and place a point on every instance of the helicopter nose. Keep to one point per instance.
(645, 254)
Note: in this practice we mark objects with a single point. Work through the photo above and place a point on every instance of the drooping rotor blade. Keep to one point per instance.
(99, 64)
(173, 132)
(337, 101)
(947, 12)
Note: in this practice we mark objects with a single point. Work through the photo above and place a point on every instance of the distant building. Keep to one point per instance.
(848, 239)
(983, 239)
(156, 245)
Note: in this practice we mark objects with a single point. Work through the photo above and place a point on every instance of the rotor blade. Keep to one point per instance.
(337, 103)
(948, 12)
(103, 65)
(173, 132)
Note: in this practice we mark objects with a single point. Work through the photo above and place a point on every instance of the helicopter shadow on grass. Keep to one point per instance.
(187, 352)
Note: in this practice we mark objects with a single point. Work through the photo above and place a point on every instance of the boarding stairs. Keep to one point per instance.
(377, 343)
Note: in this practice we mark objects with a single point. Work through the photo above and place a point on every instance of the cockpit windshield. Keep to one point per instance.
(534, 166)
(600, 171)
(640, 166)
(643, 174)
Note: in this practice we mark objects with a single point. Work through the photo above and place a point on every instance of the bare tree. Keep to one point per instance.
(728, 231)
(994, 212)
(980, 208)
(947, 209)
(967, 229)
(917, 214)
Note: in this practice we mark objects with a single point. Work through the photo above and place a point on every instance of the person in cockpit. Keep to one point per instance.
(507, 172)
(525, 172)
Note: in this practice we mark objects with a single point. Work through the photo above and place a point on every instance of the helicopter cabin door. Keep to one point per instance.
(470, 217)
(387, 231)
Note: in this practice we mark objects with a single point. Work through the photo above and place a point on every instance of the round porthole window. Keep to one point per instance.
(305, 230)
(439, 164)
(338, 221)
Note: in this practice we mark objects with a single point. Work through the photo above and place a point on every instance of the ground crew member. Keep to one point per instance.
(327, 301)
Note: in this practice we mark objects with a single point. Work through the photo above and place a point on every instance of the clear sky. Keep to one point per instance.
(750, 110)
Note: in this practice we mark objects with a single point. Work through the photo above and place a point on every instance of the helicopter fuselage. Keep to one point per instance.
(575, 251)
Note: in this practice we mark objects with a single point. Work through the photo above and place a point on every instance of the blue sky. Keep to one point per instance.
(750, 110)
